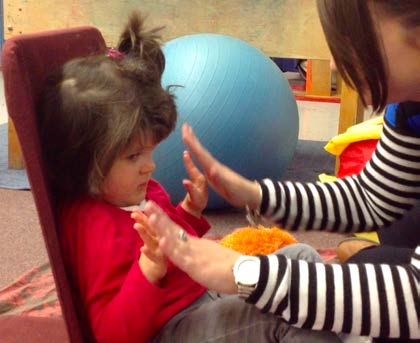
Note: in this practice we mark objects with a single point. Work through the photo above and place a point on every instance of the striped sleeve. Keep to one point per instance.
(360, 299)
(364, 300)
(387, 187)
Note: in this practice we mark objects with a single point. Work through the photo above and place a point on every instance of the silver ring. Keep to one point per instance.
(253, 216)
(183, 235)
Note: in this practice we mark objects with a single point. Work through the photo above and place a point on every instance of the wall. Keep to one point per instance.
(281, 28)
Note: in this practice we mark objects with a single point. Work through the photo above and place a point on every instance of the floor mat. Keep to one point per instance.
(34, 293)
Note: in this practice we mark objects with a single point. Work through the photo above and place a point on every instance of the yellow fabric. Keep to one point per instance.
(326, 178)
(369, 129)
(373, 236)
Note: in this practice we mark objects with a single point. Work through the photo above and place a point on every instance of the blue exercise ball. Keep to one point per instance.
(237, 101)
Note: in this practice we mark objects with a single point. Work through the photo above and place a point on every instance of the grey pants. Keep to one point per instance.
(228, 319)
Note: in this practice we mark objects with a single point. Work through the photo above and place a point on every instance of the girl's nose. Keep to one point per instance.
(148, 167)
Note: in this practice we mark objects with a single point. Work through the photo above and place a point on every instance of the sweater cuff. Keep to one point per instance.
(264, 196)
(200, 225)
(135, 279)
(264, 279)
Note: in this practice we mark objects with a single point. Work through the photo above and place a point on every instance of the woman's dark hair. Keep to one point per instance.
(356, 47)
(94, 107)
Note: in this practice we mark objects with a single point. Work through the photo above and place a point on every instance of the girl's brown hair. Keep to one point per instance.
(94, 107)
(355, 44)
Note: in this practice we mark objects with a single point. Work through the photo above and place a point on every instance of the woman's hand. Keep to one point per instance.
(197, 190)
(205, 261)
(153, 262)
(236, 189)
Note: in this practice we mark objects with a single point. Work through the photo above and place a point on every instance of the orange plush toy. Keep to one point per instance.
(261, 240)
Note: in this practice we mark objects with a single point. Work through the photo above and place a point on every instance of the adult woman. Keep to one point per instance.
(376, 47)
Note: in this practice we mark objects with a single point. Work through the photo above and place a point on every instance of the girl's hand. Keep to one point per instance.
(205, 261)
(197, 190)
(236, 189)
(152, 262)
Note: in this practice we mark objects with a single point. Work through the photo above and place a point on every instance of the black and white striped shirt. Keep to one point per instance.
(360, 299)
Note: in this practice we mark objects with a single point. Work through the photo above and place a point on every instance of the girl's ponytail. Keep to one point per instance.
(143, 56)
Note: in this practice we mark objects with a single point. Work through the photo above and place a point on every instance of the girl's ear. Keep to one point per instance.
(413, 37)
(417, 35)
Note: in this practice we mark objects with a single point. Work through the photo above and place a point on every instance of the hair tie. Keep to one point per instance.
(115, 54)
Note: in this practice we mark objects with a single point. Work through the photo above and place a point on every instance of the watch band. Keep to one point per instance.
(244, 291)
(246, 274)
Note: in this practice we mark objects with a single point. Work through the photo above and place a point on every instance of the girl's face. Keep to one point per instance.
(401, 48)
(126, 182)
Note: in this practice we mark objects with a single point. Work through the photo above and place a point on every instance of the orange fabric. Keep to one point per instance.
(261, 240)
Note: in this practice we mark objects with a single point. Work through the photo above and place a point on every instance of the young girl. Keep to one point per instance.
(376, 47)
(101, 118)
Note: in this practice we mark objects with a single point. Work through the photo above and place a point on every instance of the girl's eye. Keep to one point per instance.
(133, 157)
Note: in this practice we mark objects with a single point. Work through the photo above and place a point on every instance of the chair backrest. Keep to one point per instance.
(26, 61)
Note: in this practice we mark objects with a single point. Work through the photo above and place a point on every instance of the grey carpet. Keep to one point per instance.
(309, 161)
(9, 178)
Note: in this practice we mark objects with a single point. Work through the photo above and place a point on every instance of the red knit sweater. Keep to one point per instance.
(102, 251)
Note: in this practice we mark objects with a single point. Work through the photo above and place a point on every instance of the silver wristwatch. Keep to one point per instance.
(246, 272)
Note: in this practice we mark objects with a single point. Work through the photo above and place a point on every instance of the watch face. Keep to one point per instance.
(248, 272)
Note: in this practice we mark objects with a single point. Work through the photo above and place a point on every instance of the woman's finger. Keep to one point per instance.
(139, 217)
(161, 230)
(191, 141)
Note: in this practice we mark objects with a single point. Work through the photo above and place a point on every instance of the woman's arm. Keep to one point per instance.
(388, 186)
(365, 299)
(359, 299)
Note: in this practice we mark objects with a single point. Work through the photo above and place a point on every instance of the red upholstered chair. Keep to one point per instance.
(26, 61)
